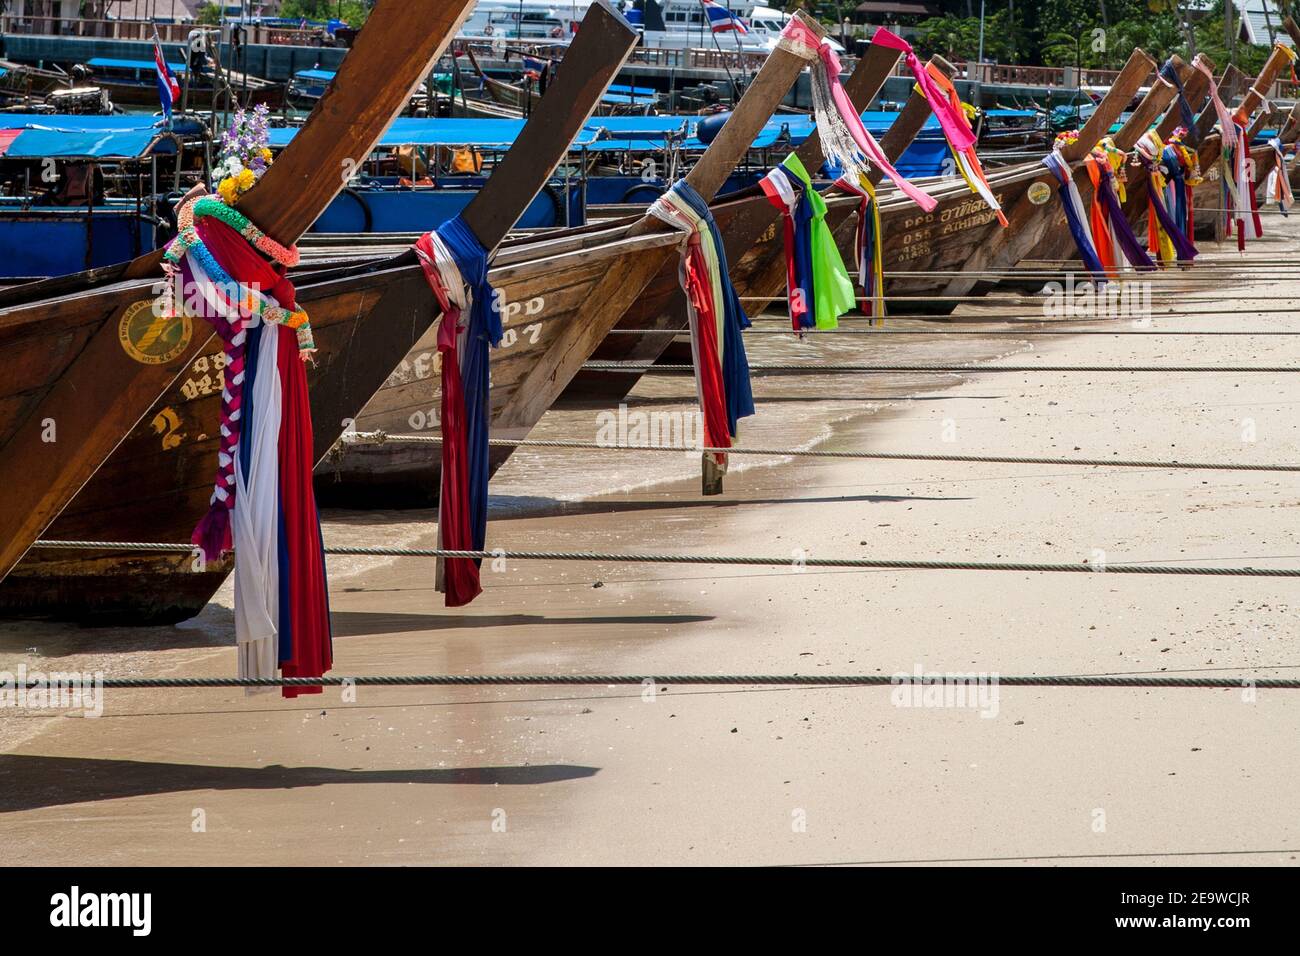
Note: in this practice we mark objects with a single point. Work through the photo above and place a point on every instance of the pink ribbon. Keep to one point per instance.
(800, 33)
(954, 125)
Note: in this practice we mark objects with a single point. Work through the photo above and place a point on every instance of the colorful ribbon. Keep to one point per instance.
(263, 504)
(845, 141)
(455, 265)
(1072, 205)
(1277, 187)
(818, 285)
(1112, 236)
(1169, 73)
(947, 106)
(1165, 237)
(868, 247)
(715, 315)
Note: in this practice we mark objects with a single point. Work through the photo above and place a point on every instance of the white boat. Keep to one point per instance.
(672, 24)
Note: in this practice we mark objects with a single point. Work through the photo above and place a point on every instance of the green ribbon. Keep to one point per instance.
(832, 287)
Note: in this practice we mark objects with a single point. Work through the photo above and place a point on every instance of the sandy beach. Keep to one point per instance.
(744, 775)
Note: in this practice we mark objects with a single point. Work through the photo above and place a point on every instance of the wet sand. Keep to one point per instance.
(763, 775)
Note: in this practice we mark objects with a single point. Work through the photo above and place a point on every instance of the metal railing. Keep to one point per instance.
(169, 33)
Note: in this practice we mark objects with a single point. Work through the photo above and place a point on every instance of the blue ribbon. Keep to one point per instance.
(1184, 108)
(803, 263)
(1087, 252)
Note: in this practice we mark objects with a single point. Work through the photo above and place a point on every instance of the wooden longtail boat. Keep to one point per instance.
(1061, 248)
(134, 83)
(364, 319)
(1058, 246)
(84, 359)
(519, 99)
(406, 473)
(915, 242)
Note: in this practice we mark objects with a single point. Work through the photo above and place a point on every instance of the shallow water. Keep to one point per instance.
(796, 411)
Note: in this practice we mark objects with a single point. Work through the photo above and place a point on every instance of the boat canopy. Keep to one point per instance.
(112, 63)
(318, 76)
(636, 133)
(485, 133)
(87, 137)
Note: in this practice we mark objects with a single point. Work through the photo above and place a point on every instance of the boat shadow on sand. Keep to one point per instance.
(40, 781)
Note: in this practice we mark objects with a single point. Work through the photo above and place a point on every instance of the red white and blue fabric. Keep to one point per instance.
(455, 264)
(722, 20)
(169, 91)
(786, 193)
(1075, 217)
(263, 504)
(715, 316)
(533, 67)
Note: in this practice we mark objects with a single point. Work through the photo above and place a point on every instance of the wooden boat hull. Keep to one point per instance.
(271, 95)
(156, 484)
(916, 241)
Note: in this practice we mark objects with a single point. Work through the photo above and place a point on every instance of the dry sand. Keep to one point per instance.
(767, 775)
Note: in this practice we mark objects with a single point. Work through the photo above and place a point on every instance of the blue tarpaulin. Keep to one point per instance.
(641, 91)
(438, 131)
(639, 133)
(90, 137)
(319, 76)
(112, 63)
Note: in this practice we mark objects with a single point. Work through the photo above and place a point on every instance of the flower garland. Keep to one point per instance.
(1066, 138)
(245, 154)
(188, 243)
(262, 505)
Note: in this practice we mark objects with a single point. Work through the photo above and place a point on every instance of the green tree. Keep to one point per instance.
(209, 14)
(353, 12)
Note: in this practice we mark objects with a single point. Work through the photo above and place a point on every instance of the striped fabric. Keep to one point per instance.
(715, 315)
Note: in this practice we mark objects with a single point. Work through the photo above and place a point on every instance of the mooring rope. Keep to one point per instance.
(810, 333)
(666, 680)
(1081, 298)
(382, 438)
(797, 562)
(838, 367)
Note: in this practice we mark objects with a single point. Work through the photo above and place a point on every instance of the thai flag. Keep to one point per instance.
(533, 68)
(721, 19)
(168, 89)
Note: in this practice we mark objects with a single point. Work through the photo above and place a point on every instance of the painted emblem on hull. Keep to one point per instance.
(1039, 193)
(152, 339)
